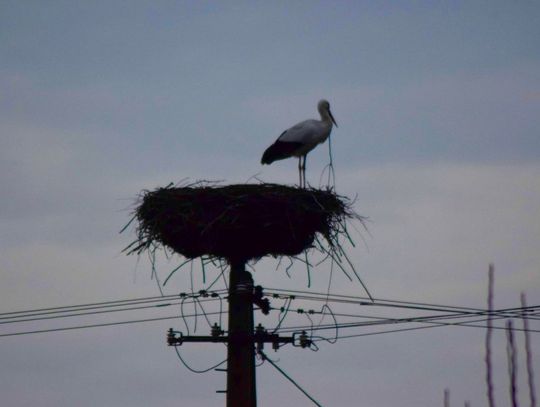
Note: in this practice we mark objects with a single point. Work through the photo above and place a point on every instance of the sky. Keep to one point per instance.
(438, 107)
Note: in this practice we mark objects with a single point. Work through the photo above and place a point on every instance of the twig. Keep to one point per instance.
(528, 352)
(308, 270)
(512, 362)
(356, 274)
(489, 368)
(175, 270)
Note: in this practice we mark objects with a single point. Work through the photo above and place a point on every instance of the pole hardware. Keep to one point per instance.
(216, 331)
(301, 339)
(174, 338)
(262, 303)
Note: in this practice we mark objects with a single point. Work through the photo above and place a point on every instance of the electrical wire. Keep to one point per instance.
(267, 359)
(188, 367)
(453, 312)
(87, 326)
(432, 324)
(90, 306)
(375, 333)
(324, 307)
(77, 312)
(199, 303)
(507, 312)
(285, 311)
(357, 299)
(70, 328)
(95, 305)
(43, 318)
(434, 320)
(384, 320)
(386, 302)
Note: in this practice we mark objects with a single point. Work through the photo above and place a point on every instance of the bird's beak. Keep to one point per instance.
(332, 117)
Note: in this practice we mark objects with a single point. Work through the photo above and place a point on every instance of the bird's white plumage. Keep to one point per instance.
(301, 138)
(309, 133)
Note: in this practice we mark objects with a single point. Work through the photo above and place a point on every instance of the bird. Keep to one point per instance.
(300, 139)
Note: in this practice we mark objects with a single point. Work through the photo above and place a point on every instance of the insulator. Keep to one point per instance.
(264, 305)
(259, 329)
(259, 336)
(171, 340)
(304, 340)
(216, 330)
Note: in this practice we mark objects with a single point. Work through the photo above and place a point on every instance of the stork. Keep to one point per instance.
(300, 139)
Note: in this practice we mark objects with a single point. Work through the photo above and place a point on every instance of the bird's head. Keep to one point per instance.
(324, 109)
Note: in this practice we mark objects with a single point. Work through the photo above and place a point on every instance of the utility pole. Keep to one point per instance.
(255, 221)
(241, 388)
(242, 338)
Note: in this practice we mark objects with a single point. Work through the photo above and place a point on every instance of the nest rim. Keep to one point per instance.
(202, 219)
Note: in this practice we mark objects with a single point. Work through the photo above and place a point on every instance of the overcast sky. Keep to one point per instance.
(438, 107)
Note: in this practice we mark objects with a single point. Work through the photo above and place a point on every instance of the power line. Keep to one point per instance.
(508, 312)
(106, 304)
(318, 339)
(425, 318)
(188, 367)
(47, 316)
(432, 320)
(142, 303)
(70, 328)
(377, 301)
(332, 298)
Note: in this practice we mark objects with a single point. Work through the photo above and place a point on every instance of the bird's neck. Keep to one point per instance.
(325, 117)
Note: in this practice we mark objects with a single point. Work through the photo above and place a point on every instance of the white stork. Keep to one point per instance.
(300, 139)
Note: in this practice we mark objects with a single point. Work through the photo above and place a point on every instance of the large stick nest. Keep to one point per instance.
(238, 222)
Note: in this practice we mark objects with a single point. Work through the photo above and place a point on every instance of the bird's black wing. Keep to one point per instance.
(279, 151)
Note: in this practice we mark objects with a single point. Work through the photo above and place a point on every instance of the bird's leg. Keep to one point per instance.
(304, 169)
(300, 171)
